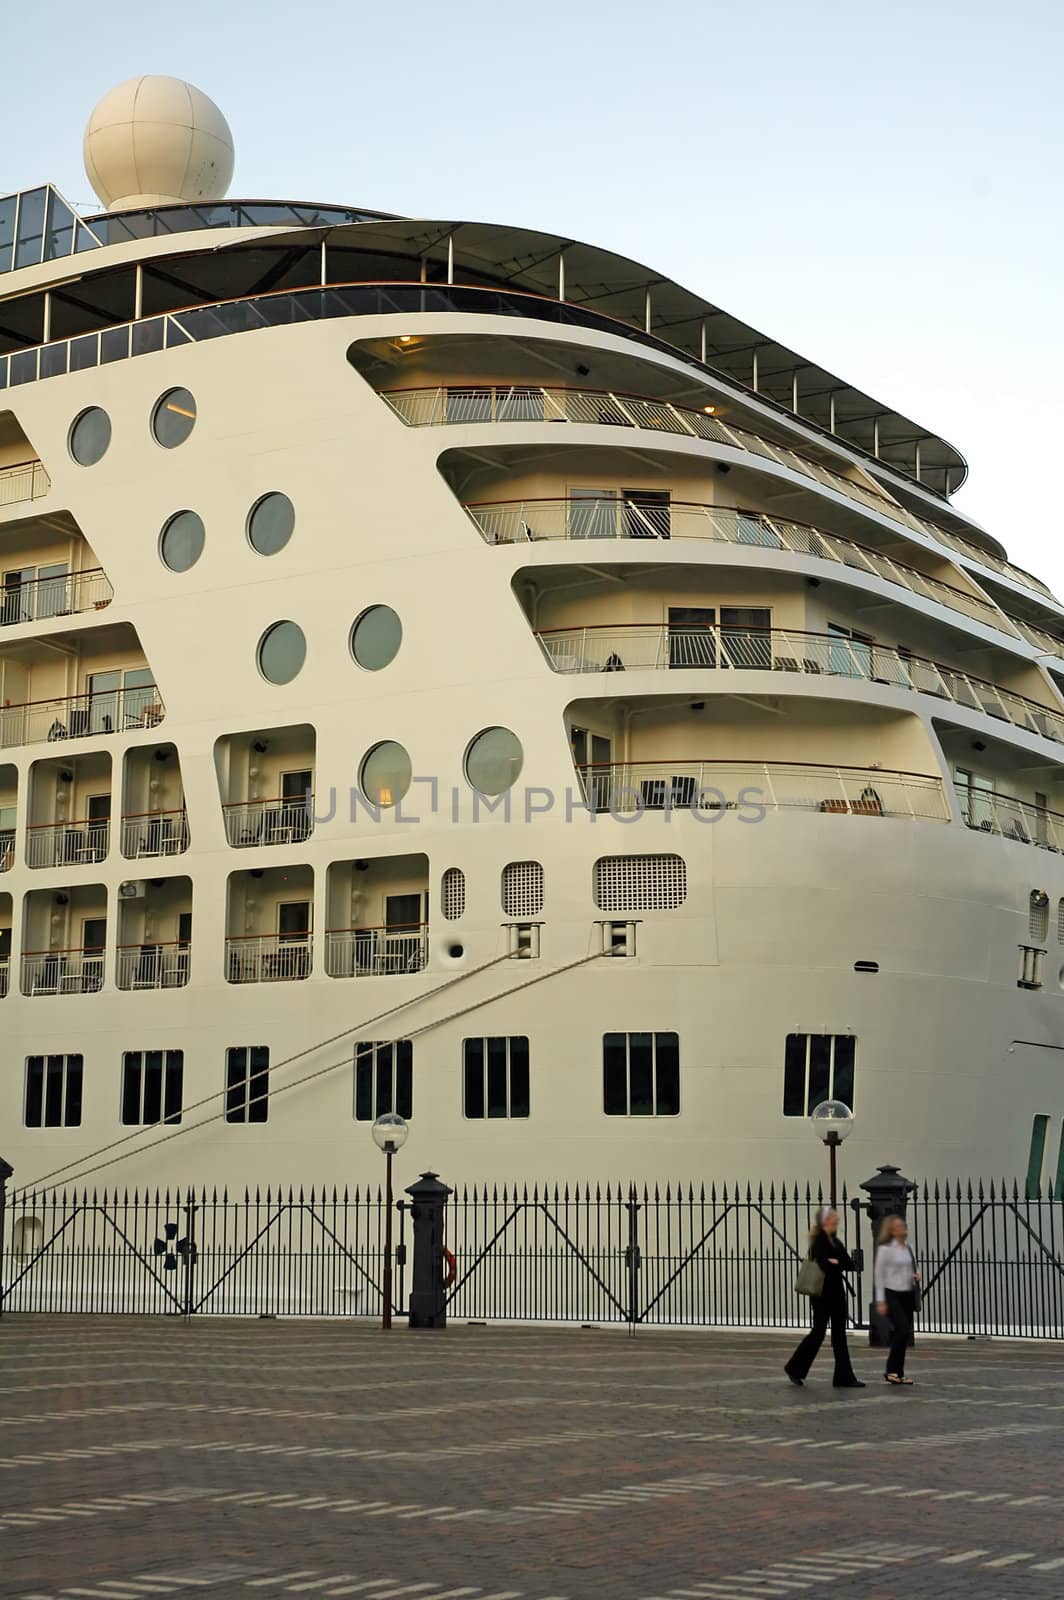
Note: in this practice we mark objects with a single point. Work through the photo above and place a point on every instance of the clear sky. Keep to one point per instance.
(877, 186)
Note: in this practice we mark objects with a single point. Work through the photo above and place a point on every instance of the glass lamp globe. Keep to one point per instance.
(832, 1117)
(390, 1132)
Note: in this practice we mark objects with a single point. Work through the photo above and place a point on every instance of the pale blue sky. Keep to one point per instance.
(878, 186)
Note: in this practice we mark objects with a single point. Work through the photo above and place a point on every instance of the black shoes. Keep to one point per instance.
(799, 1383)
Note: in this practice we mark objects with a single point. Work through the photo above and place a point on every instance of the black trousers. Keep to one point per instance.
(827, 1308)
(900, 1310)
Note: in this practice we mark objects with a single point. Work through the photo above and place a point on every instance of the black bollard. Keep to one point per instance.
(888, 1192)
(6, 1169)
(428, 1205)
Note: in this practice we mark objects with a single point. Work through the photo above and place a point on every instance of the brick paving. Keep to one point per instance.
(155, 1457)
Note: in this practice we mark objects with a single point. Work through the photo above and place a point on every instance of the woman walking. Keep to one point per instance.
(828, 1306)
(896, 1291)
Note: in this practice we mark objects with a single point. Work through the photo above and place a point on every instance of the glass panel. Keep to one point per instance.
(376, 637)
(282, 652)
(90, 436)
(497, 1078)
(641, 1074)
(386, 774)
(131, 1088)
(747, 636)
(794, 1104)
(615, 1075)
(271, 523)
(114, 344)
(23, 367)
(59, 239)
(293, 919)
(148, 336)
(384, 1079)
(175, 1069)
(7, 240)
(646, 514)
(174, 418)
(691, 640)
(53, 362)
(182, 540)
(34, 1091)
(842, 1082)
(819, 1069)
(74, 1073)
(84, 352)
(235, 1083)
(519, 1093)
(667, 1074)
(29, 245)
(53, 1093)
(53, 597)
(493, 761)
(593, 514)
(404, 1078)
(473, 1068)
(364, 1082)
(1036, 1156)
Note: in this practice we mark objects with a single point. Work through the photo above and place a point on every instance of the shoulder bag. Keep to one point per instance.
(810, 1280)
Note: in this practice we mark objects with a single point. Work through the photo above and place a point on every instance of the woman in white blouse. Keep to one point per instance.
(896, 1280)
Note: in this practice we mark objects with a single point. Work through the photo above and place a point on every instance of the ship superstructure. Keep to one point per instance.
(450, 668)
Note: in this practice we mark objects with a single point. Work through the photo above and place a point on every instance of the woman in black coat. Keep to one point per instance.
(828, 1306)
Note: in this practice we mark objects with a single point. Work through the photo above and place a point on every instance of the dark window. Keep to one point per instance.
(817, 1067)
(53, 1091)
(384, 1078)
(152, 1086)
(641, 1074)
(495, 1077)
(247, 1083)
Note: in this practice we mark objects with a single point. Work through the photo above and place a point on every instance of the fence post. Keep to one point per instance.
(888, 1192)
(6, 1170)
(186, 1250)
(428, 1205)
(633, 1259)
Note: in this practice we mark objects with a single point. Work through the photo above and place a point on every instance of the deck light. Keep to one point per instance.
(832, 1122)
(390, 1132)
(709, 410)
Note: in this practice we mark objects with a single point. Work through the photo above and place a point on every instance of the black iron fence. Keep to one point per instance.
(991, 1256)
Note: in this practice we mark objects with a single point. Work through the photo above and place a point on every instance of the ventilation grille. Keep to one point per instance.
(640, 883)
(1060, 921)
(1038, 916)
(452, 893)
(522, 889)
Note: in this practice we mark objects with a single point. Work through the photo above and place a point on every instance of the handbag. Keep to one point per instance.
(917, 1294)
(810, 1280)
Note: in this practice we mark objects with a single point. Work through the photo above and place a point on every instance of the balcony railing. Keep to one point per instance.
(267, 958)
(599, 517)
(80, 716)
(153, 966)
(1045, 643)
(255, 822)
(67, 844)
(46, 598)
(5, 964)
(631, 787)
(635, 647)
(155, 833)
(7, 849)
(74, 971)
(375, 952)
(25, 481)
(987, 811)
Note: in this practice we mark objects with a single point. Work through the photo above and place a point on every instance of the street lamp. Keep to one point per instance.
(389, 1134)
(832, 1122)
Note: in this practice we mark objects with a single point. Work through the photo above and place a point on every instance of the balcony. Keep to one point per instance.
(25, 481)
(988, 811)
(80, 716)
(155, 833)
(376, 952)
(159, 966)
(55, 972)
(267, 958)
(44, 599)
(284, 821)
(628, 788)
(66, 844)
(655, 647)
(528, 521)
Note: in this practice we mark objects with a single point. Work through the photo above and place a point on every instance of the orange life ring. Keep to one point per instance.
(452, 1268)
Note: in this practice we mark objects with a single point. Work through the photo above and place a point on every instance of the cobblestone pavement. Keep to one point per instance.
(154, 1457)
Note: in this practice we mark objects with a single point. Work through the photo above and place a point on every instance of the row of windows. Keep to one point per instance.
(173, 418)
(640, 1078)
(269, 526)
(374, 642)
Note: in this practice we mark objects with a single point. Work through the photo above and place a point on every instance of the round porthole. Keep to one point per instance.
(181, 541)
(270, 523)
(376, 637)
(493, 761)
(174, 418)
(282, 652)
(386, 774)
(89, 436)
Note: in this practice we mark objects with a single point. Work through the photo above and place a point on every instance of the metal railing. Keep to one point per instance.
(267, 957)
(7, 850)
(43, 599)
(638, 647)
(27, 480)
(5, 964)
(253, 822)
(375, 952)
(67, 844)
(749, 787)
(528, 521)
(80, 716)
(1045, 643)
(988, 811)
(155, 833)
(153, 966)
(73, 971)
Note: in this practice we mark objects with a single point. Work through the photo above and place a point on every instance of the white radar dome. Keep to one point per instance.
(157, 141)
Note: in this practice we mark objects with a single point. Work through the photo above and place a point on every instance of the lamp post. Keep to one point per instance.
(389, 1134)
(832, 1122)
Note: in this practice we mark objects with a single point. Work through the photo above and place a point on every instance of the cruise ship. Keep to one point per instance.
(450, 668)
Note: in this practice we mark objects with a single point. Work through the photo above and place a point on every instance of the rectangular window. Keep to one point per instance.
(384, 1078)
(247, 1083)
(495, 1077)
(641, 1074)
(817, 1067)
(746, 636)
(53, 1091)
(1036, 1156)
(152, 1086)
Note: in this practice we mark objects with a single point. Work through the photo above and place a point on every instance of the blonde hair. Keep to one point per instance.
(818, 1225)
(887, 1225)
